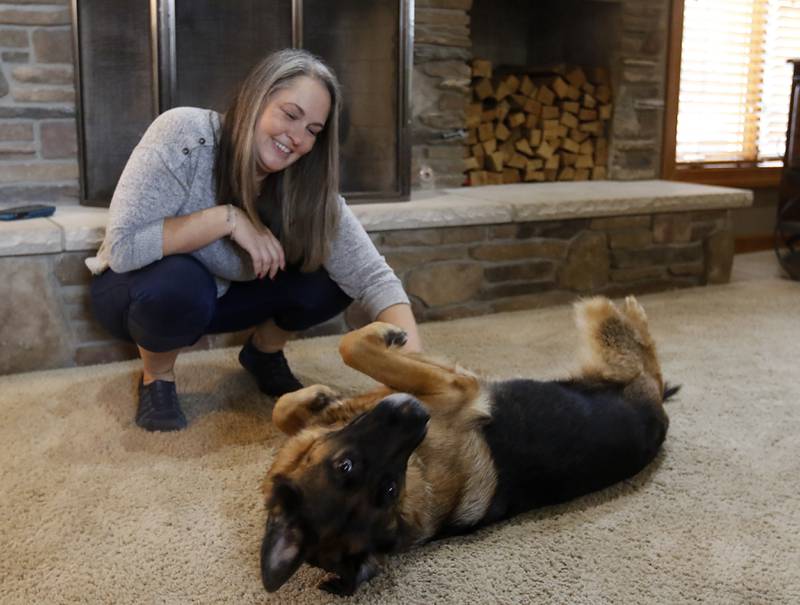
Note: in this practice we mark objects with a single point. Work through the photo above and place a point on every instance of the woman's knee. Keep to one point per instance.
(172, 303)
(110, 300)
(316, 298)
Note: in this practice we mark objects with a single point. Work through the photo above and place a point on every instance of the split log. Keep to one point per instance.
(571, 106)
(472, 163)
(569, 120)
(550, 112)
(496, 161)
(526, 86)
(511, 176)
(518, 161)
(546, 96)
(571, 146)
(483, 89)
(481, 68)
(478, 177)
(544, 151)
(501, 132)
(523, 146)
(576, 76)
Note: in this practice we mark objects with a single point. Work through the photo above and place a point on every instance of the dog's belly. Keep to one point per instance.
(552, 441)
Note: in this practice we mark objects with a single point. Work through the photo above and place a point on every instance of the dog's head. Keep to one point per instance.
(333, 495)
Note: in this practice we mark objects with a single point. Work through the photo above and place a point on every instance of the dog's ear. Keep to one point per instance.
(283, 548)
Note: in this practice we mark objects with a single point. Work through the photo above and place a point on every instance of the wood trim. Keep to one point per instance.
(753, 243)
(673, 82)
(729, 176)
(750, 178)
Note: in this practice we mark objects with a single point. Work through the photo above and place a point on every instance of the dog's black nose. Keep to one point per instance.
(403, 407)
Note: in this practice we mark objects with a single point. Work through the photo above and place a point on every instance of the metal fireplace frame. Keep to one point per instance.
(163, 77)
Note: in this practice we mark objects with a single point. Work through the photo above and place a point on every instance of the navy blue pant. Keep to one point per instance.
(172, 302)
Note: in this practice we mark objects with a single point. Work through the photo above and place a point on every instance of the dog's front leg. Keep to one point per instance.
(355, 571)
(375, 351)
(320, 405)
(295, 411)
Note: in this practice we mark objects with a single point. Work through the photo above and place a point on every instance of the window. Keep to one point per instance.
(729, 89)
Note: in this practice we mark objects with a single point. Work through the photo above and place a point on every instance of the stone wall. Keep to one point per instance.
(38, 149)
(46, 320)
(639, 73)
(462, 271)
(440, 90)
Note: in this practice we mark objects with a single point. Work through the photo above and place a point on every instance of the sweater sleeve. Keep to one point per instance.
(359, 269)
(148, 191)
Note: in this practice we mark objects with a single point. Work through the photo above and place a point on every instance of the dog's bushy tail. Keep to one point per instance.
(616, 343)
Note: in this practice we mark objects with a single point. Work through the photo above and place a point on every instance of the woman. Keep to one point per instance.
(219, 224)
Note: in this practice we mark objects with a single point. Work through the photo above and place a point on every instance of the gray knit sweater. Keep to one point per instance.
(171, 173)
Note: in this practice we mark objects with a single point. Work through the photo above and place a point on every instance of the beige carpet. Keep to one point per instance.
(94, 510)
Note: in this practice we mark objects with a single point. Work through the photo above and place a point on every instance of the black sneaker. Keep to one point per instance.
(159, 409)
(270, 370)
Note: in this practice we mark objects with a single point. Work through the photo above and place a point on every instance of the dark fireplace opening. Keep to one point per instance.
(543, 34)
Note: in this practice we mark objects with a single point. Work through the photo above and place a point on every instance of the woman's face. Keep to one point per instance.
(289, 124)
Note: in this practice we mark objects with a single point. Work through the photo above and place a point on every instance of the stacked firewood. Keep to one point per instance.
(535, 127)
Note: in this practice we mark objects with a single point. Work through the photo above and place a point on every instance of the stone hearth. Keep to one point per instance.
(459, 252)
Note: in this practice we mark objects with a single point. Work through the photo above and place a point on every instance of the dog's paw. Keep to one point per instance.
(335, 585)
(394, 336)
(634, 309)
(322, 399)
(294, 411)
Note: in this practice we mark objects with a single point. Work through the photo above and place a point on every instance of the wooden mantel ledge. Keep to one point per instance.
(80, 228)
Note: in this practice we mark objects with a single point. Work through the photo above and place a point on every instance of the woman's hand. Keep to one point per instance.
(264, 249)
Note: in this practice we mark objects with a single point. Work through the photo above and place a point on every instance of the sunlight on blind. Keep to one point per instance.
(782, 43)
(735, 82)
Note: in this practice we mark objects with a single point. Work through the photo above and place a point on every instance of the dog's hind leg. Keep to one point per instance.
(617, 346)
(634, 313)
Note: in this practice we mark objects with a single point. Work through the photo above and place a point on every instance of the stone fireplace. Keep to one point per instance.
(458, 250)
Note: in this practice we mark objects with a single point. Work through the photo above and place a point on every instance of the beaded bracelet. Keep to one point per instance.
(231, 220)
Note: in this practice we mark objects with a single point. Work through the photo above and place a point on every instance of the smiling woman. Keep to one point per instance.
(211, 205)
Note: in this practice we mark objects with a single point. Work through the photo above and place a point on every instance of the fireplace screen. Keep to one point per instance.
(136, 61)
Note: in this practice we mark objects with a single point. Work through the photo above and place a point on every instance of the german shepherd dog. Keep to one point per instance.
(436, 451)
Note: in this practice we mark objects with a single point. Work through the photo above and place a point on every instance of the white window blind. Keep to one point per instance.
(735, 80)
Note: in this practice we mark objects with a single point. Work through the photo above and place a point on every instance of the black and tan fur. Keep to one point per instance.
(438, 451)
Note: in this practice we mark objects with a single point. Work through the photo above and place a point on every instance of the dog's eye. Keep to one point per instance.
(345, 466)
(390, 491)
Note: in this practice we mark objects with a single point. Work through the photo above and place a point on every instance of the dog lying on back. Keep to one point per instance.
(437, 451)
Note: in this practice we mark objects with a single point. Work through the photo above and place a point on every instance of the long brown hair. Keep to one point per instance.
(307, 190)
